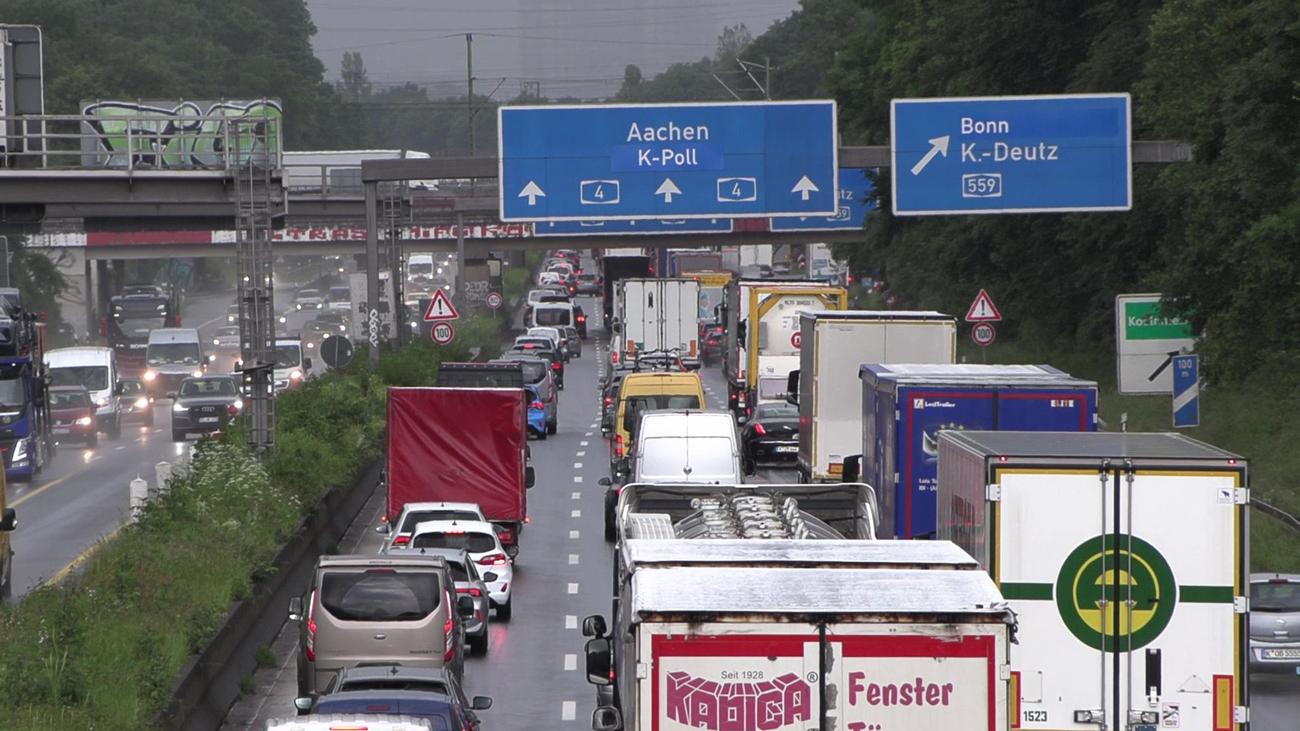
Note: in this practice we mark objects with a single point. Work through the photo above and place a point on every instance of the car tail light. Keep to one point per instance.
(309, 649)
(613, 357)
(402, 539)
(449, 644)
(537, 405)
(694, 347)
(493, 559)
(759, 430)
(609, 400)
(618, 445)
(582, 319)
(735, 396)
(506, 536)
(471, 590)
(555, 366)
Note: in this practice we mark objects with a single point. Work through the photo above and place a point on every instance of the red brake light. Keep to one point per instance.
(402, 540)
(613, 357)
(506, 536)
(555, 366)
(582, 319)
(609, 400)
(493, 559)
(232, 410)
(537, 405)
(309, 649)
(618, 445)
(449, 648)
(759, 430)
(471, 590)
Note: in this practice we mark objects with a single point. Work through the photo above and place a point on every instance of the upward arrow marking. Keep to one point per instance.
(804, 187)
(668, 189)
(532, 192)
(938, 146)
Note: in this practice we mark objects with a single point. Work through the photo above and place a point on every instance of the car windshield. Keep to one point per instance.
(94, 378)
(131, 387)
(776, 411)
(227, 332)
(772, 388)
(428, 685)
(686, 458)
(208, 388)
(637, 404)
(340, 294)
(166, 353)
(552, 316)
(306, 293)
(138, 325)
(416, 517)
(288, 356)
(68, 399)
(470, 541)
(1275, 596)
(380, 595)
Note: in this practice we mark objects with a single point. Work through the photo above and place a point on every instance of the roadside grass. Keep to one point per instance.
(1255, 419)
(102, 650)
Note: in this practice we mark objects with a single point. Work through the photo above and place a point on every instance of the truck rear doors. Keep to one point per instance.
(1126, 610)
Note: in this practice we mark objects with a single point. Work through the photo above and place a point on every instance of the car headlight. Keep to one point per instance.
(150, 375)
(238, 404)
(295, 375)
(178, 407)
(216, 342)
(299, 305)
(283, 319)
(20, 450)
(84, 421)
(142, 403)
(343, 328)
(212, 358)
(311, 345)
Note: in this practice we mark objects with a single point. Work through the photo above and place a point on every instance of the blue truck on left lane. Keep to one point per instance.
(25, 435)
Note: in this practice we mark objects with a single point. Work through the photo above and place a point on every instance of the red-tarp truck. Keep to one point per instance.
(460, 445)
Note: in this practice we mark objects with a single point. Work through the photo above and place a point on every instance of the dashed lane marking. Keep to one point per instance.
(583, 443)
(576, 495)
(570, 621)
(573, 559)
(575, 513)
(573, 535)
(577, 478)
(570, 661)
(587, 434)
(577, 465)
(568, 710)
(580, 454)
(573, 587)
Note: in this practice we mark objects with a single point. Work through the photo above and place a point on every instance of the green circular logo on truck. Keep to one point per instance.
(1097, 573)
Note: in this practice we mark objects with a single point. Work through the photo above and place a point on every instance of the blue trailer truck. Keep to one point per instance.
(24, 408)
(905, 406)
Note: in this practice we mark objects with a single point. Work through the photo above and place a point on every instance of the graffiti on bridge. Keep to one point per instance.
(182, 135)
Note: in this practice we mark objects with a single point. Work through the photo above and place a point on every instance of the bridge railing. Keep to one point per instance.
(139, 142)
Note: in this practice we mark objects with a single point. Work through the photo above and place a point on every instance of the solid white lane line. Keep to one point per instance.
(573, 535)
(570, 621)
(575, 513)
(568, 710)
(573, 559)
(573, 587)
(570, 661)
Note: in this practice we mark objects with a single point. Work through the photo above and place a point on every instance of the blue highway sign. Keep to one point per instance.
(1187, 390)
(1027, 154)
(632, 227)
(856, 200)
(671, 161)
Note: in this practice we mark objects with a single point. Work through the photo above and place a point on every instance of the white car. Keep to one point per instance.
(550, 278)
(399, 531)
(557, 337)
(479, 539)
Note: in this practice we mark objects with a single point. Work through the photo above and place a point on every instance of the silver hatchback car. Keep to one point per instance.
(1275, 623)
(465, 574)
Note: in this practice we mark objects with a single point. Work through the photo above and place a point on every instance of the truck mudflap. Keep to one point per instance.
(508, 534)
(927, 679)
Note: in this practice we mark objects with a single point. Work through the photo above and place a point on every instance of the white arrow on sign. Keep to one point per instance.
(532, 192)
(938, 146)
(668, 189)
(804, 187)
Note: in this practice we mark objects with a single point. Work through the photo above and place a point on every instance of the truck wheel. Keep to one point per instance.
(479, 645)
(551, 428)
(504, 610)
(542, 434)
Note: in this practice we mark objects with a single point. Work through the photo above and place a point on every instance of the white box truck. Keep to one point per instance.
(1124, 556)
(763, 320)
(826, 387)
(659, 314)
(795, 635)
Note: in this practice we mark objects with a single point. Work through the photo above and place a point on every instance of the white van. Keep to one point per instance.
(551, 314)
(290, 367)
(172, 355)
(96, 369)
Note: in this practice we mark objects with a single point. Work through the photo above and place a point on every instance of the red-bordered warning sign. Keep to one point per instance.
(796, 339)
(983, 309)
(440, 307)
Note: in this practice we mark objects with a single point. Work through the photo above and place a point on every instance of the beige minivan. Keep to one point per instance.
(367, 609)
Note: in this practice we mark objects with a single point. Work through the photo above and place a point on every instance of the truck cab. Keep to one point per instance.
(172, 355)
(290, 366)
(24, 382)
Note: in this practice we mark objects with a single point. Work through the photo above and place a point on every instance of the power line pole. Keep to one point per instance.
(469, 96)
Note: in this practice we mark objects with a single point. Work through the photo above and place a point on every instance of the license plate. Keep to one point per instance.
(787, 449)
(209, 419)
(1281, 654)
(62, 430)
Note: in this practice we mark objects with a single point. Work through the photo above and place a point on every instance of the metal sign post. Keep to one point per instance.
(371, 312)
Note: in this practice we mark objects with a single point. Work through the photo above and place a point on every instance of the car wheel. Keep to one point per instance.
(504, 610)
(552, 428)
(749, 466)
(542, 434)
(479, 645)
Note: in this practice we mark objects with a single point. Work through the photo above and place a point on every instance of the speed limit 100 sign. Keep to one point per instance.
(983, 334)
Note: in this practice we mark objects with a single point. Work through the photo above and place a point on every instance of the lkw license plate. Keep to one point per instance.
(790, 449)
(1281, 654)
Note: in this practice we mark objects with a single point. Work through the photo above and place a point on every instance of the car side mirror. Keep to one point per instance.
(9, 521)
(303, 704)
(852, 468)
(792, 388)
(465, 605)
(598, 661)
(606, 718)
(530, 476)
(171, 395)
(490, 577)
(593, 626)
(480, 703)
(295, 609)
(604, 482)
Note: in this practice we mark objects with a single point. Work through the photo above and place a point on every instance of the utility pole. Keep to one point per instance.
(767, 77)
(469, 95)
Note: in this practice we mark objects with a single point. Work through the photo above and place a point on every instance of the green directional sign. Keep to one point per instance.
(1146, 321)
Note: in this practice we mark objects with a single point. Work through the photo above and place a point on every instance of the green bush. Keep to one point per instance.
(102, 650)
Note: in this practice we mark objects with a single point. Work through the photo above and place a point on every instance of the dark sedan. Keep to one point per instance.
(771, 436)
(205, 405)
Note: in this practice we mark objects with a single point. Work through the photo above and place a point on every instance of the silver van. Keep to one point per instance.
(368, 609)
(172, 355)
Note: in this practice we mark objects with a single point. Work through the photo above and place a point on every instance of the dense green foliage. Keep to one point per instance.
(102, 650)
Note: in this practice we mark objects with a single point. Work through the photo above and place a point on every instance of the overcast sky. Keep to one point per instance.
(570, 47)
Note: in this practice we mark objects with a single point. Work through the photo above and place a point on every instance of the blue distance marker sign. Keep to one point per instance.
(671, 161)
(1026, 154)
(633, 227)
(856, 200)
(1187, 390)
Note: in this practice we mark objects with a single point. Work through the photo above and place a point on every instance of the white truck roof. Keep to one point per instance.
(173, 335)
(876, 315)
(638, 553)
(1090, 445)
(736, 590)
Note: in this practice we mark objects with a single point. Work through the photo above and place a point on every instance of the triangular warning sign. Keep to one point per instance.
(440, 308)
(983, 309)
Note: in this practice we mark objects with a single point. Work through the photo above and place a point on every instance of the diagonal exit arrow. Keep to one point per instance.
(938, 146)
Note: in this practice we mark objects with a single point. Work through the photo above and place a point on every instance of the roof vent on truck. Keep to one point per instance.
(760, 515)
